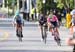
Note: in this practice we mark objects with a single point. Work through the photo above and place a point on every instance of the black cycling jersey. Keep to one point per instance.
(42, 20)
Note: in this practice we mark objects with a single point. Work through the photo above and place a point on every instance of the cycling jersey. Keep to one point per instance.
(53, 20)
(18, 20)
(42, 20)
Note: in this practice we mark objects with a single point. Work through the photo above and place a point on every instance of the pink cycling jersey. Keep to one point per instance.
(54, 18)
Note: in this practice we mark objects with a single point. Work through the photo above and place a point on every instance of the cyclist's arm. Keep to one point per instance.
(56, 19)
(70, 42)
(48, 22)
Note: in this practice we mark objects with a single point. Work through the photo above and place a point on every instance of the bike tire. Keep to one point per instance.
(20, 35)
(45, 34)
(58, 42)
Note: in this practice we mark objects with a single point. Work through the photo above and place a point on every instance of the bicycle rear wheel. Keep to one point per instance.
(20, 35)
(45, 34)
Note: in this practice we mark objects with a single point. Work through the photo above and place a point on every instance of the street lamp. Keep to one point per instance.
(44, 2)
(55, 1)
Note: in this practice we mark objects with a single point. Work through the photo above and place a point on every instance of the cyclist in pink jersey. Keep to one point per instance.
(52, 22)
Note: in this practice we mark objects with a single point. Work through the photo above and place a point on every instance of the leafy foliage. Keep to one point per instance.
(51, 5)
(48, 5)
(39, 5)
(11, 2)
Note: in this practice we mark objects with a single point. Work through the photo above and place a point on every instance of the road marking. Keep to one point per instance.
(5, 35)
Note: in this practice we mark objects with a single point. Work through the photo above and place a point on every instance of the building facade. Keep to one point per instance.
(25, 6)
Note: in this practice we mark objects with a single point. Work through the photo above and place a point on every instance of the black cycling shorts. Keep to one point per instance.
(54, 23)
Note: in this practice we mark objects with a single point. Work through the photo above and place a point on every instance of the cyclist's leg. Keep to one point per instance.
(71, 30)
(46, 27)
(21, 30)
(42, 31)
(55, 36)
(73, 42)
(58, 36)
(70, 41)
(52, 28)
(45, 32)
(52, 31)
(56, 27)
(17, 29)
(57, 30)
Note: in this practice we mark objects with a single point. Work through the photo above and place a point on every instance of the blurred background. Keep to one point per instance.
(29, 7)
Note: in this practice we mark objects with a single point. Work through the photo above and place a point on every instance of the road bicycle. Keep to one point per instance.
(19, 33)
(44, 32)
(56, 37)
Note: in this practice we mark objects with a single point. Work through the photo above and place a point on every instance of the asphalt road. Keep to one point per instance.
(31, 40)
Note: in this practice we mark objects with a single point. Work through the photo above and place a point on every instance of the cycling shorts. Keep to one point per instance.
(54, 23)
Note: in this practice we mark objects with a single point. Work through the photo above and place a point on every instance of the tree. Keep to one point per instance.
(49, 5)
(60, 4)
(39, 5)
(11, 2)
(65, 3)
(11, 5)
(72, 4)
